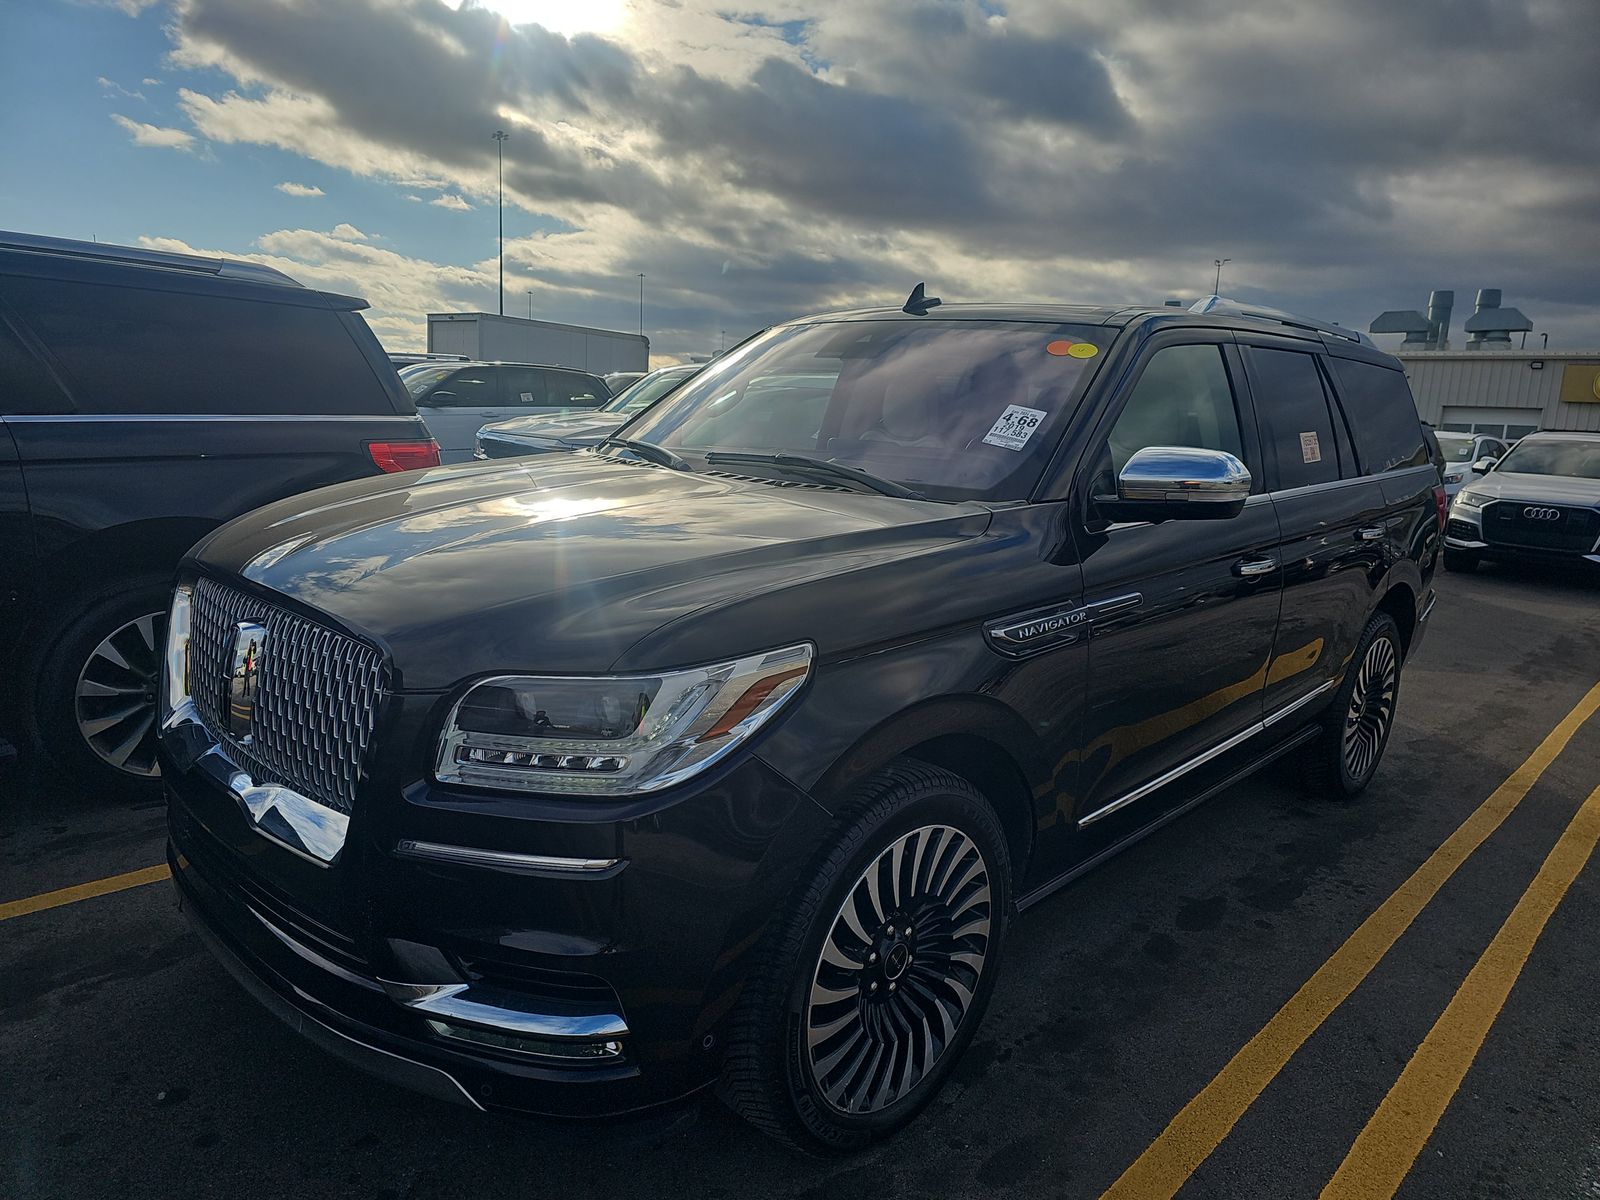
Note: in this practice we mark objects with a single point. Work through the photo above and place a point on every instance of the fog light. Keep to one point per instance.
(542, 1047)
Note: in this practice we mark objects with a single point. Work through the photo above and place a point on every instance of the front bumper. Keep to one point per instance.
(1464, 531)
(497, 979)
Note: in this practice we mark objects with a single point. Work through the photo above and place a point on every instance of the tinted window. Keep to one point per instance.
(1296, 426)
(464, 387)
(1457, 447)
(523, 387)
(421, 380)
(1580, 459)
(25, 385)
(1182, 399)
(954, 409)
(136, 350)
(572, 389)
(1382, 417)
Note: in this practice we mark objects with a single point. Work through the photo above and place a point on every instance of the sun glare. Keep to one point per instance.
(566, 17)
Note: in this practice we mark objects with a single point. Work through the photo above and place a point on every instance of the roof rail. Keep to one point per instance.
(138, 256)
(1237, 308)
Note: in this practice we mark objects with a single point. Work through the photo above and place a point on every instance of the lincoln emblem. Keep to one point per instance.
(242, 682)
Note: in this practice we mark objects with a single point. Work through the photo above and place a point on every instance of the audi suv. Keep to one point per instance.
(1541, 502)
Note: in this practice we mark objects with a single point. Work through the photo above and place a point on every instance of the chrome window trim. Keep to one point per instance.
(492, 1008)
(297, 418)
(1244, 735)
(500, 860)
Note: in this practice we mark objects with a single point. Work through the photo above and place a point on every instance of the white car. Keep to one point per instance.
(1464, 455)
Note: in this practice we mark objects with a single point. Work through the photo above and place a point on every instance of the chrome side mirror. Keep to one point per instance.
(1183, 483)
(1484, 465)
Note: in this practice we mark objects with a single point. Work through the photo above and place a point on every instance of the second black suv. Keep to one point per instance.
(145, 398)
(727, 751)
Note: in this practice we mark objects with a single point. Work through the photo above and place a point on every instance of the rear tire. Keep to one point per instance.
(1343, 760)
(1463, 561)
(96, 695)
(867, 991)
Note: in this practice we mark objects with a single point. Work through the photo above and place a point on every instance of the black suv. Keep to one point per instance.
(146, 398)
(727, 750)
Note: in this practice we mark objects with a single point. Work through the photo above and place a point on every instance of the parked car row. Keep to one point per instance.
(1539, 503)
(457, 399)
(576, 430)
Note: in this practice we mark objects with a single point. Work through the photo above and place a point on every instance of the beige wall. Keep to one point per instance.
(1507, 383)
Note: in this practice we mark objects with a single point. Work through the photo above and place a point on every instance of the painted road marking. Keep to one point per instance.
(1200, 1126)
(83, 891)
(1387, 1147)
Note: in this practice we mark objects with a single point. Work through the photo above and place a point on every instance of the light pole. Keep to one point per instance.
(500, 136)
(1216, 288)
(530, 304)
(724, 346)
(641, 303)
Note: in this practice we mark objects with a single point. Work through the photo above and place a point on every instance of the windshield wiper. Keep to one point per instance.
(819, 466)
(659, 455)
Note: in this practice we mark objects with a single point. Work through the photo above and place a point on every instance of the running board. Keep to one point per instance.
(1060, 881)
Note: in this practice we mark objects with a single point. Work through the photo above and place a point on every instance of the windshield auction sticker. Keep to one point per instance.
(1015, 426)
(1310, 450)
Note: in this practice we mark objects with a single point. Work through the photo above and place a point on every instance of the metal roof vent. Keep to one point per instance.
(1490, 327)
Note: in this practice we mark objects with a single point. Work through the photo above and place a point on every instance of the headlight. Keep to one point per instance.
(1453, 477)
(613, 735)
(1472, 499)
(177, 654)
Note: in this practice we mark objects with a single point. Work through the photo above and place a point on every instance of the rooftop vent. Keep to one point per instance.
(1490, 327)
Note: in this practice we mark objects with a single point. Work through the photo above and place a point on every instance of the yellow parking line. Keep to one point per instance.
(1200, 1126)
(1387, 1147)
(83, 891)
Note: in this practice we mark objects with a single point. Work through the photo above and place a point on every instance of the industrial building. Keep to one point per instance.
(491, 338)
(1489, 385)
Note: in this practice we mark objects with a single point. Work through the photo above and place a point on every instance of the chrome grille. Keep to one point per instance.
(1507, 523)
(317, 698)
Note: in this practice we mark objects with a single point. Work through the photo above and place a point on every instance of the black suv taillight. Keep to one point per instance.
(404, 456)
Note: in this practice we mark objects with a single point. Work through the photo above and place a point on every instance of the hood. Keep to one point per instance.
(578, 428)
(566, 563)
(1555, 489)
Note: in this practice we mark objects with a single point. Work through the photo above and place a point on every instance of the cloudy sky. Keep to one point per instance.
(757, 159)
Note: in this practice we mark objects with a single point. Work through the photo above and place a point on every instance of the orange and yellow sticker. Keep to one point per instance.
(1064, 348)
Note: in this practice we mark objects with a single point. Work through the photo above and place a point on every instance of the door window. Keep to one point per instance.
(143, 350)
(1297, 428)
(25, 385)
(470, 387)
(1183, 398)
(1382, 416)
(573, 389)
(524, 387)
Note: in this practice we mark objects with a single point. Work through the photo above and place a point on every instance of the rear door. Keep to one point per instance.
(1334, 520)
(1181, 613)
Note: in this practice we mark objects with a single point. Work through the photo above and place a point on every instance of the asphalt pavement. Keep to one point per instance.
(1151, 1015)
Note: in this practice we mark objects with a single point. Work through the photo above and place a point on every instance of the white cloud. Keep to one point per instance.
(413, 197)
(299, 189)
(346, 232)
(450, 201)
(150, 81)
(112, 86)
(155, 135)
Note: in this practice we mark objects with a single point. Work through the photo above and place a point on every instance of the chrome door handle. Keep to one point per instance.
(1370, 533)
(1249, 568)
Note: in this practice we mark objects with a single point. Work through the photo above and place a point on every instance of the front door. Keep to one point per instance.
(1182, 612)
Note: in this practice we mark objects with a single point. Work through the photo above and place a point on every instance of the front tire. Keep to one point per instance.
(868, 991)
(1346, 757)
(96, 697)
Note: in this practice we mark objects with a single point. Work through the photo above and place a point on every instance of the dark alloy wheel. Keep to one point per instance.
(898, 969)
(115, 697)
(1371, 708)
(1356, 728)
(869, 985)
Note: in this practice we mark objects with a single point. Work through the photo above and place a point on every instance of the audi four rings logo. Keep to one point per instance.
(1542, 514)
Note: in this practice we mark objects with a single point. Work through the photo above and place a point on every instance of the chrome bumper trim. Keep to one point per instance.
(1462, 544)
(500, 860)
(493, 1008)
(298, 823)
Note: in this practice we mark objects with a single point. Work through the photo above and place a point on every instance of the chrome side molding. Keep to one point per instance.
(1244, 735)
(507, 1012)
(500, 860)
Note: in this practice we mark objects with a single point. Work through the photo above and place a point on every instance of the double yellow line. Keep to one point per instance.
(1387, 1147)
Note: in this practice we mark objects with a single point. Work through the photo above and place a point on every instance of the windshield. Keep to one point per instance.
(1457, 447)
(1580, 460)
(419, 379)
(642, 393)
(952, 409)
